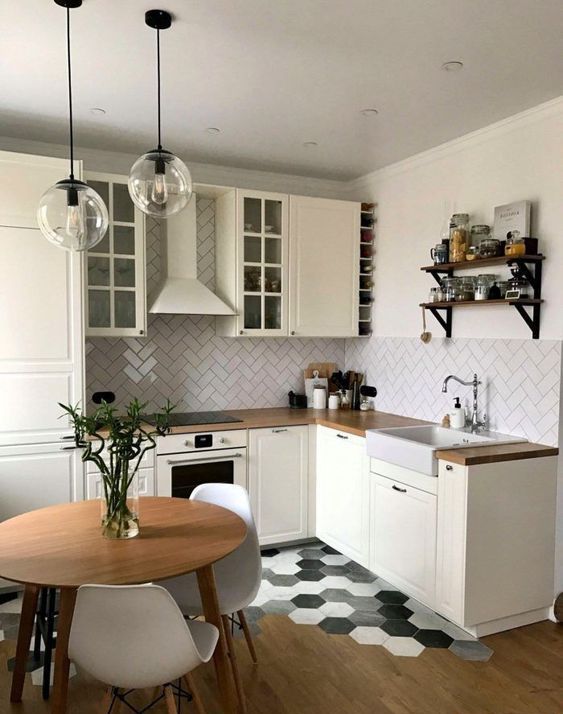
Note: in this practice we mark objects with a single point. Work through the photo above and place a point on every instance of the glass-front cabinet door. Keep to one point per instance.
(263, 251)
(115, 268)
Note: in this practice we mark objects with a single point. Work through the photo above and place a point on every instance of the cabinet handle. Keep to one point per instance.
(396, 488)
(278, 431)
(449, 467)
(341, 436)
(293, 332)
(188, 443)
(241, 332)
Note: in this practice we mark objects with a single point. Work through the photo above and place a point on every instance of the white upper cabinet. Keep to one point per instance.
(255, 246)
(324, 267)
(115, 270)
(41, 328)
(288, 265)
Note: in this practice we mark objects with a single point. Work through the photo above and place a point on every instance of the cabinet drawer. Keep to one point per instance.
(183, 443)
(451, 469)
(94, 487)
(146, 462)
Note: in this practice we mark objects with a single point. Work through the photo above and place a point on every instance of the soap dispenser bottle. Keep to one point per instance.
(457, 416)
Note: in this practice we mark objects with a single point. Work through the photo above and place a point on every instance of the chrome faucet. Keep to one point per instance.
(475, 423)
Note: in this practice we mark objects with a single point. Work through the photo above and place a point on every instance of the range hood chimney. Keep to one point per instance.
(180, 292)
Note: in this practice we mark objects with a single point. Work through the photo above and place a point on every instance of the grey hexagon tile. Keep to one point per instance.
(306, 616)
(335, 594)
(365, 603)
(335, 570)
(369, 635)
(311, 553)
(278, 607)
(330, 550)
(310, 575)
(362, 618)
(310, 564)
(360, 577)
(336, 609)
(427, 621)
(473, 651)
(395, 612)
(403, 646)
(336, 581)
(253, 614)
(337, 625)
(267, 573)
(455, 632)
(391, 597)
(308, 601)
(336, 559)
(399, 628)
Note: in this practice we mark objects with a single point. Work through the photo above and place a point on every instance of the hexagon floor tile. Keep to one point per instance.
(314, 584)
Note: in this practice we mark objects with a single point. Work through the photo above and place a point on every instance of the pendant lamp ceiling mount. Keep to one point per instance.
(157, 19)
(69, 4)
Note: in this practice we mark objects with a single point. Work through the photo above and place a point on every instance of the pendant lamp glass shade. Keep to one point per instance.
(71, 215)
(160, 183)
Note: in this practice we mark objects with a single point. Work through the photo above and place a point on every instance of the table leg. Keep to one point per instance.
(62, 663)
(208, 592)
(25, 631)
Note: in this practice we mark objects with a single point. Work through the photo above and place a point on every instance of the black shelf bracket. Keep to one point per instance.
(446, 323)
(532, 321)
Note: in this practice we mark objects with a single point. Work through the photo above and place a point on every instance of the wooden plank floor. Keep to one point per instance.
(302, 670)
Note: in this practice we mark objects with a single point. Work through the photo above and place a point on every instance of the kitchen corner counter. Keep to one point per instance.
(472, 456)
(347, 420)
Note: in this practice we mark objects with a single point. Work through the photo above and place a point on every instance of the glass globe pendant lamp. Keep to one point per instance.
(71, 215)
(160, 183)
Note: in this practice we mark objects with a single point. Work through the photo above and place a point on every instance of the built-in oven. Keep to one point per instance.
(185, 461)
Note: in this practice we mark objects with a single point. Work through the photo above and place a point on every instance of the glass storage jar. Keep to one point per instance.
(450, 288)
(459, 237)
(483, 285)
(472, 252)
(479, 232)
(515, 246)
(489, 248)
(468, 288)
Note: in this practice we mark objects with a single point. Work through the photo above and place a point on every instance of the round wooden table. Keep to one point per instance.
(62, 547)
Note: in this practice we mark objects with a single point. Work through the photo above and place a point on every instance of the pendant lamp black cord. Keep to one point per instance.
(69, 94)
(158, 83)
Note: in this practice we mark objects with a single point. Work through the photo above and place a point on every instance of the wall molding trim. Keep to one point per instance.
(514, 122)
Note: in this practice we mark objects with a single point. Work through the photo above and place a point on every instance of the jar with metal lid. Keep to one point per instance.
(489, 248)
(472, 252)
(483, 285)
(459, 237)
(450, 288)
(515, 245)
(468, 288)
(479, 232)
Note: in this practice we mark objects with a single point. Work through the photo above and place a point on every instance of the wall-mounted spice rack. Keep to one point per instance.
(365, 287)
(531, 268)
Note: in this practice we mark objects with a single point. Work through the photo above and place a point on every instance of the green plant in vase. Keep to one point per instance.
(116, 445)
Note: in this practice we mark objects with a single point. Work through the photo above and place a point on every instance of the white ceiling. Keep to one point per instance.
(273, 75)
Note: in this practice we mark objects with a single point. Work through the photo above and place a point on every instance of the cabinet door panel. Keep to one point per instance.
(94, 487)
(403, 537)
(278, 477)
(324, 256)
(342, 493)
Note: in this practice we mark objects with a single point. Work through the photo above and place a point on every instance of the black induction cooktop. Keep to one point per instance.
(196, 418)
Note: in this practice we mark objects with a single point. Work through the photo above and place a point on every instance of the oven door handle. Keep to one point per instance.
(173, 462)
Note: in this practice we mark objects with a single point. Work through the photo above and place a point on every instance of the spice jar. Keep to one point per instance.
(472, 252)
(436, 295)
(450, 287)
(515, 245)
(479, 232)
(483, 285)
(459, 235)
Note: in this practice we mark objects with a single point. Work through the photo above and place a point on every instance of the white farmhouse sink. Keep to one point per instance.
(414, 447)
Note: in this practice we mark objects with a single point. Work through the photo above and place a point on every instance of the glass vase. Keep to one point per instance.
(120, 502)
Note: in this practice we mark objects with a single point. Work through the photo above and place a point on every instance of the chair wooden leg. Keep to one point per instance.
(106, 701)
(193, 690)
(170, 702)
(234, 665)
(247, 635)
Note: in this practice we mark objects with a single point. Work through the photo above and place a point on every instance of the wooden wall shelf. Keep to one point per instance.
(442, 311)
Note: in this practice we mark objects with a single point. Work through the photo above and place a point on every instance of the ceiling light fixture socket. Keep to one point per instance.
(70, 4)
(453, 66)
(369, 112)
(158, 19)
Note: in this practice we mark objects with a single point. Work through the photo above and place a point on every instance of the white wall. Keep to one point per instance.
(519, 158)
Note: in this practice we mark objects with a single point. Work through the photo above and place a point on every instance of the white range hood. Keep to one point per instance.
(180, 292)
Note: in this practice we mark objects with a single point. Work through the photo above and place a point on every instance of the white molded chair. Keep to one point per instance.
(135, 637)
(238, 576)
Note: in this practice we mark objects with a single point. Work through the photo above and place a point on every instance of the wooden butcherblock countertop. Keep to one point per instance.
(357, 422)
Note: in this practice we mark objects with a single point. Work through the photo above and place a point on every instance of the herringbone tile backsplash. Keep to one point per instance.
(182, 359)
(521, 379)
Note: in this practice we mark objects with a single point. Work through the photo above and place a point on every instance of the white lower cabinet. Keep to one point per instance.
(278, 482)
(343, 493)
(403, 536)
(94, 487)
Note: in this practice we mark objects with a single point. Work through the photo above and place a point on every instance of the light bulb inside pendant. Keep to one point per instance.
(159, 188)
